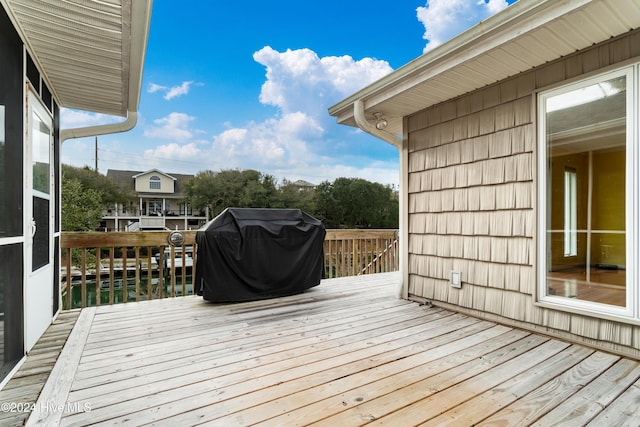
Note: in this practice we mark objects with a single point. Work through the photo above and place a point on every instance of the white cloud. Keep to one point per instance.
(329, 169)
(496, 6)
(153, 88)
(173, 151)
(299, 80)
(272, 143)
(78, 119)
(294, 144)
(170, 92)
(183, 89)
(174, 126)
(290, 148)
(302, 86)
(444, 19)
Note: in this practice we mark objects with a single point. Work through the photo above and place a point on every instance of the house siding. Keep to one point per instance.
(471, 202)
(142, 183)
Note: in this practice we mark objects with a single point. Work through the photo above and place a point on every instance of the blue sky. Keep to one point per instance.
(247, 85)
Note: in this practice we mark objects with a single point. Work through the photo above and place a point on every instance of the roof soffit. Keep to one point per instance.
(90, 52)
(527, 34)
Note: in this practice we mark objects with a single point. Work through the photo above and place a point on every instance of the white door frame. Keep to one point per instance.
(38, 284)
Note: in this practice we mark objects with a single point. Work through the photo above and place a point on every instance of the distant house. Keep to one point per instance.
(157, 205)
(302, 185)
(88, 56)
(518, 145)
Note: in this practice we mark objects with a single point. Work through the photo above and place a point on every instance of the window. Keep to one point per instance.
(185, 209)
(41, 153)
(41, 140)
(128, 208)
(155, 207)
(586, 157)
(155, 183)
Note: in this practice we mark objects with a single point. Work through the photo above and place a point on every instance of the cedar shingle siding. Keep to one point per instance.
(472, 208)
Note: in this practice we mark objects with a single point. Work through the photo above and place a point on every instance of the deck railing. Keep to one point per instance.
(356, 252)
(116, 267)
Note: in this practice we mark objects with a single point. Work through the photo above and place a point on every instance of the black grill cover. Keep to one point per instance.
(251, 254)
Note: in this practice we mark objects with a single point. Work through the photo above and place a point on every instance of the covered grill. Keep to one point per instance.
(251, 254)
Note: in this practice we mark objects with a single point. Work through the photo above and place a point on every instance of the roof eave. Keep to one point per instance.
(141, 23)
(124, 25)
(515, 20)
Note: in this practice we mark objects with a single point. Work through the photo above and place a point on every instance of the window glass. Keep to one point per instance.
(3, 185)
(41, 154)
(11, 188)
(11, 307)
(41, 138)
(155, 207)
(185, 209)
(585, 142)
(154, 183)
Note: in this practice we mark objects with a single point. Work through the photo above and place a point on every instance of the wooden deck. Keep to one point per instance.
(25, 385)
(347, 352)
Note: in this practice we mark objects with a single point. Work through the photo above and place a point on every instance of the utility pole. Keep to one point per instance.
(96, 154)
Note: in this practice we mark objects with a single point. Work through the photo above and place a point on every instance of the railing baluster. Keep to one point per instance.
(184, 270)
(125, 265)
(160, 276)
(138, 267)
(69, 277)
(112, 290)
(162, 261)
(83, 283)
(97, 275)
(172, 277)
(149, 275)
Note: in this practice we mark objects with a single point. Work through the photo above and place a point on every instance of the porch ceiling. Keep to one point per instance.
(527, 34)
(90, 52)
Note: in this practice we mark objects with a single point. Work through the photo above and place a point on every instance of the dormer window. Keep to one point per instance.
(154, 182)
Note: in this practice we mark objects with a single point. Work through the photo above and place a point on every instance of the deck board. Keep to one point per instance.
(347, 352)
(614, 385)
(27, 383)
(253, 346)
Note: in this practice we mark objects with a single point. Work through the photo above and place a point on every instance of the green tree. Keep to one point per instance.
(81, 208)
(327, 209)
(110, 192)
(85, 193)
(345, 203)
(231, 188)
(259, 191)
(293, 197)
(356, 203)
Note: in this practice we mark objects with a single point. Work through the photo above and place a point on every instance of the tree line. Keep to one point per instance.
(343, 203)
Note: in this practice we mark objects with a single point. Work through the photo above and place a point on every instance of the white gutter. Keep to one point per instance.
(128, 124)
(140, 23)
(363, 123)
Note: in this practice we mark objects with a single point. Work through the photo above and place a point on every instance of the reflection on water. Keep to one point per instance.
(145, 292)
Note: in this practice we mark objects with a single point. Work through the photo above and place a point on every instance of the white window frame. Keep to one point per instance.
(155, 183)
(631, 311)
